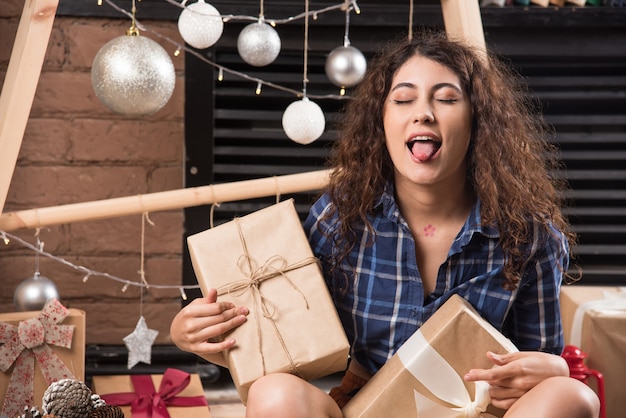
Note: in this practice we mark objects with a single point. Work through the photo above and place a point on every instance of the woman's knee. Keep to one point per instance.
(285, 395)
(269, 394)
(558, 397)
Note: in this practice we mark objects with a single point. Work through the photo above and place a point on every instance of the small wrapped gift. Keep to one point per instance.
(263, 261)
(594, 320)
(179, 394)
(39, 348)
(424, 377)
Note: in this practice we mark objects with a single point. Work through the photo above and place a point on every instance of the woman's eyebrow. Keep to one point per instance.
(403, 84)
(436, 87)
(450, 85)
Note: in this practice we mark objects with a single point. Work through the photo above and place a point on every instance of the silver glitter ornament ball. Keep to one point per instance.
(303, 121)
(258, 44)
(345, 66)
(200, 25)
(33, 293)
(133, 75)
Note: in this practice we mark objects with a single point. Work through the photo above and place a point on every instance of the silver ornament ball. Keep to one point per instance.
(200, 25)
(133, 75)
(33, 293)
(258, 44)
(303, 121)
(345, 66)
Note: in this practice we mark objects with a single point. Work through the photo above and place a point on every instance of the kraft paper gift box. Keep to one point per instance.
(36, 349)
(174, 393)
(264, 261)
(594, 320)
(424, 378)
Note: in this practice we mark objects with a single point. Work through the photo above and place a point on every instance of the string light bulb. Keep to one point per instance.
(258, 88)
(220, 74)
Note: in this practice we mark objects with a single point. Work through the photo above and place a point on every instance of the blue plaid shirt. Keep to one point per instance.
(385, 304)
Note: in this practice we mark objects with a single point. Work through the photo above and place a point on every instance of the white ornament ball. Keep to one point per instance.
(33, 293)
(133, 75)
(345, 66)
(200, 25)
(258, 44)
(303, 121)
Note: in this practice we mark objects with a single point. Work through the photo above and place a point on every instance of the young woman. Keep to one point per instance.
(441, 186)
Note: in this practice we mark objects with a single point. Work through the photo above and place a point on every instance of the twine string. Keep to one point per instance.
(274, 266)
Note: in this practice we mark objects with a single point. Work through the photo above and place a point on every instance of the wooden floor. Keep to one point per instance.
(224, 401)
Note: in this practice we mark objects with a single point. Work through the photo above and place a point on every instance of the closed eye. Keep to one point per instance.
(400, 102)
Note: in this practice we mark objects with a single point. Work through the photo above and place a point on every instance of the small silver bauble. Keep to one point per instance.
(258, 44)
(345, 66)
(133, 75)
(200, 25)
(33, 293)
(303, 121)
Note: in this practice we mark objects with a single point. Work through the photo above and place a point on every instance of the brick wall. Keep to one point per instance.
(75, 150)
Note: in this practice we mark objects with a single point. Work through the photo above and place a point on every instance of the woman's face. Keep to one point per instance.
(427, 119)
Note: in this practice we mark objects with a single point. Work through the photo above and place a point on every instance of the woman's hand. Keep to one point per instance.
(514, 374)
(199, 326)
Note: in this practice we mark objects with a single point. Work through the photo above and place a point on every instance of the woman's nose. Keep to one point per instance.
(423, 113)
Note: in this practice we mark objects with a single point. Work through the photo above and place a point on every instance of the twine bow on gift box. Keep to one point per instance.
(147, 402)
(275, 266)
(27, 342)
(438, 376)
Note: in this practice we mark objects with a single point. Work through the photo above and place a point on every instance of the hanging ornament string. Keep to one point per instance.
(142, 272)
(133, 31)
(221, 68)
(39, 248)
(346, 35)
(410, 20)
(305, 79)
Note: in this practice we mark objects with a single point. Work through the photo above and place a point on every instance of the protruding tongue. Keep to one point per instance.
(423, 150)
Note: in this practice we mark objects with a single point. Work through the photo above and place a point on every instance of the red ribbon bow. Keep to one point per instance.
(27, 342)
(146, 402)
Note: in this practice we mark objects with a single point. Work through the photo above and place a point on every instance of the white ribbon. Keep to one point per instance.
(613, 301)
(434, 372)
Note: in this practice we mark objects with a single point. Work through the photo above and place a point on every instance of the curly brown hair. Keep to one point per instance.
(510, 160)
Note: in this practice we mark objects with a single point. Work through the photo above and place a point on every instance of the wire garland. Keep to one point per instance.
(226, 18)
(88, 273)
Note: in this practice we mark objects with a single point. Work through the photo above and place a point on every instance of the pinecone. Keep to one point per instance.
(30, 412)
(107, 411)
(97, 401)
(67, 398)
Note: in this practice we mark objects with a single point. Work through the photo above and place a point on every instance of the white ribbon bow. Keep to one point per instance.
(613, 301)
(436, 374)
